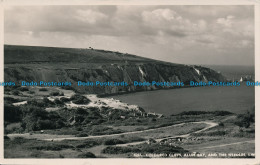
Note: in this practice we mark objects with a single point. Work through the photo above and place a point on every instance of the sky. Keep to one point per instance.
(201, 35)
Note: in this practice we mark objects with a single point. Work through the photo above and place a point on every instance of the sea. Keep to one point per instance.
(236, 99)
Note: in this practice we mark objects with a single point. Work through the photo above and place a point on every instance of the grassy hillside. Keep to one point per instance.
(35, 54)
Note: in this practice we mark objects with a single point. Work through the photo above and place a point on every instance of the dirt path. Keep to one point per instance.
(97, 149)
(210, 125)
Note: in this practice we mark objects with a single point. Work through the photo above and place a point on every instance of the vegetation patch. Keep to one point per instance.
(123, 140)
(87, 155)
(144, 148)
(43, 89)
(51, 147)
(79, 99)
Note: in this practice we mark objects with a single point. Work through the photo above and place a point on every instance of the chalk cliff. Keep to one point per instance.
(27, 63)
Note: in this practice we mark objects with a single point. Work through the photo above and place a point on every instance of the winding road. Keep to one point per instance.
(209, 123)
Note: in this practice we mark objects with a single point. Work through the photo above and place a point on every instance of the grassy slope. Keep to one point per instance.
(36, 54)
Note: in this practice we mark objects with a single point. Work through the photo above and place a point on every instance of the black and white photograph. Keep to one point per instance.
(129, 81)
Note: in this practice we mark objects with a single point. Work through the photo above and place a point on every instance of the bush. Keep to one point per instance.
(12, 113)
(67, 87)
(45, 124)
(56, 94)
(23, 89)
(81, 135)
(123, 140)
(153, 120)
(78, 99)
(87, 155)
(11, 100)
(46, 101)
(16, 92)
(43, 89)
(104, 131)
(245, 120)
(31, 92)
(38, 103)
(221, 124)
(36, 118)
(81, 111)
(140, 129)
(113, 142)
(58, 102)
(6, 137)
(64, 99)
(88, 144)
(59, 123)
(79, 129)
(144, 148)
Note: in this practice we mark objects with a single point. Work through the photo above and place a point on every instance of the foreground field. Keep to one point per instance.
(179, 139)
(58, 123)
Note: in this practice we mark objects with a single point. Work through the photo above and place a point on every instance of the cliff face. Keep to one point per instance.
(21, 64)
